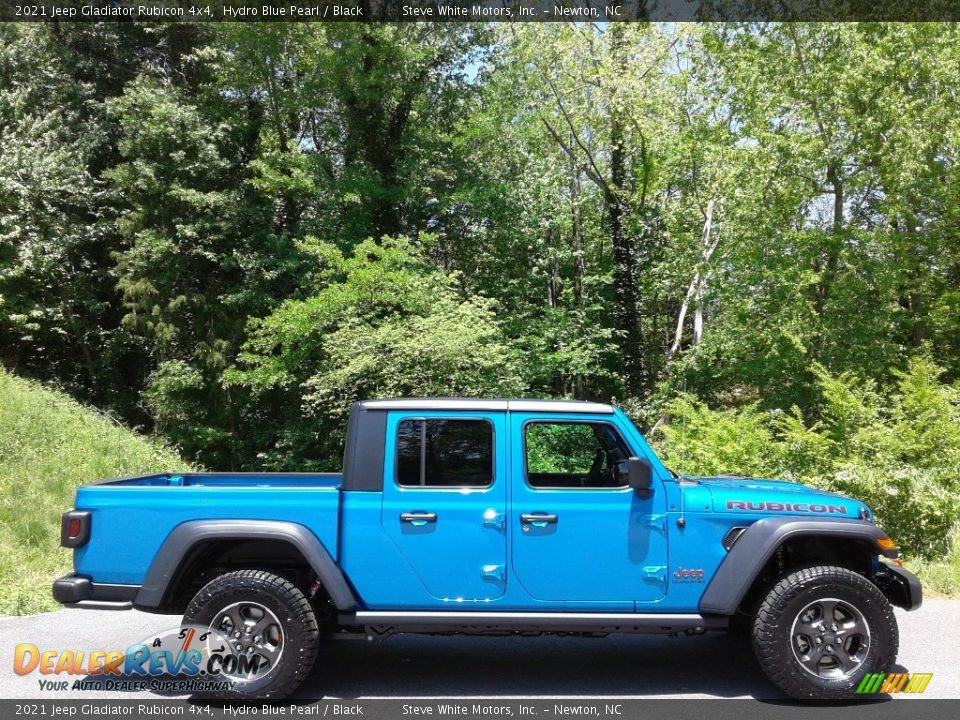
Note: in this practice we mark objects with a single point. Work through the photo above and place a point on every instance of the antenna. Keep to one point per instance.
(682, 521)
(683, 434)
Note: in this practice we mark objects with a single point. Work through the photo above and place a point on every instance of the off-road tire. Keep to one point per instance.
(295, 617)
(774, 632)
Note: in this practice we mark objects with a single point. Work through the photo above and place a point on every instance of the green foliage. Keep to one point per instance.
(941, 575)
(710, 442)
(896, 448)
(453, 347)
(53, 304)
(560, 448)
(379, 323)
(762, 216)
(50, 444)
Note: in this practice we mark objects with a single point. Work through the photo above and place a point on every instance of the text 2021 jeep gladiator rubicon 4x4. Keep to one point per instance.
(494, 516)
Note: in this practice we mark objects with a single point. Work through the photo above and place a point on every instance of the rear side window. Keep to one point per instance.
(445, 453)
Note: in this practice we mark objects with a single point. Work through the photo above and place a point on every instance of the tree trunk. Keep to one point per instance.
(554, 286)
(832, 261)
(706, 250)
(576, 238)
(698, 286)
(624, 253)
(682, 315)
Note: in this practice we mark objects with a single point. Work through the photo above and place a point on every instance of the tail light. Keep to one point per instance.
(74, 528)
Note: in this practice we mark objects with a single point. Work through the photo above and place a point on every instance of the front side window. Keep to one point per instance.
(575, 455)
(445, 453)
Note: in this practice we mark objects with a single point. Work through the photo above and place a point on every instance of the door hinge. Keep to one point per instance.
(657, 522)
(655, 572)
(494, 519)
(493, 572)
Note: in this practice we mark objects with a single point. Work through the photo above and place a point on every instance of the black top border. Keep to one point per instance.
(601, 11)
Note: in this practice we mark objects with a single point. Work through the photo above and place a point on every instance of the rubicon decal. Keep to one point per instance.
(884, 683)
(786, 507)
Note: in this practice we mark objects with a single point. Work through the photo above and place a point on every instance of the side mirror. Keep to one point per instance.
(640, 476)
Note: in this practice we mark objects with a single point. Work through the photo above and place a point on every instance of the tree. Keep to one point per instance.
(60, 313)
(379, 323)
(353, 119)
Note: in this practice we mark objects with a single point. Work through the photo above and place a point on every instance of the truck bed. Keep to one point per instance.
(131, 517)
(222, 480)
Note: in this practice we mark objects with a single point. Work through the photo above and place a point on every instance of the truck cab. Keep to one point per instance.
(492, 516)
(500, 505)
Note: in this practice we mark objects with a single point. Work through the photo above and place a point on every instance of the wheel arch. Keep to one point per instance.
(820, 540)
(192, 543)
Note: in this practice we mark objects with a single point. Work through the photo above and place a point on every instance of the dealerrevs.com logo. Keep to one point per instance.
(187, 659)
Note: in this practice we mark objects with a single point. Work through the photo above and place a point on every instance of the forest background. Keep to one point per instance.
(748, 236)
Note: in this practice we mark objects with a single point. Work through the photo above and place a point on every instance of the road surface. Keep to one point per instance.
(709, 666)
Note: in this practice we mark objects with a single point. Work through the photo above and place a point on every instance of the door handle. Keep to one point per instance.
(418, 518)
(538, 519)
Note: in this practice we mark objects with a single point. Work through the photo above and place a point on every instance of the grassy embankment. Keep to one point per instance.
(50, 444)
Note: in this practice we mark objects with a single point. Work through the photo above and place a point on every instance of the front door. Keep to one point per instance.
(444, 501)
(581, 534)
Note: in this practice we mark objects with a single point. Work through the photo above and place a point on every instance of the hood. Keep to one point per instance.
(755, 496)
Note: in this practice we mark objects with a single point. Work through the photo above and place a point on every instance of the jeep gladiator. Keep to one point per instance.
(495, 516)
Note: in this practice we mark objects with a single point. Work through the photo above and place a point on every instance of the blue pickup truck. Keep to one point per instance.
(495, 516)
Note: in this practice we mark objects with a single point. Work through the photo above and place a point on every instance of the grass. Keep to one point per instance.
(50, 444)
(940, 577)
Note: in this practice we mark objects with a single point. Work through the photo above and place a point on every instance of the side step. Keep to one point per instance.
(483, 622)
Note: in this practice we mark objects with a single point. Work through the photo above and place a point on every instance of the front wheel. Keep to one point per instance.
(270, 627)
(821, 629)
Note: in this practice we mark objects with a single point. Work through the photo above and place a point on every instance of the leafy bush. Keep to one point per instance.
(911, 503)
(709, 442)
(897, 448)
(559, 448)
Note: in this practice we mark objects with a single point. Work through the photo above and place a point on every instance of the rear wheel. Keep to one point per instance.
(821, 629)
(270, 627)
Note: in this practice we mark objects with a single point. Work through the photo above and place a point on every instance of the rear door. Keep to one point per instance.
(581, 535)
(444, 500)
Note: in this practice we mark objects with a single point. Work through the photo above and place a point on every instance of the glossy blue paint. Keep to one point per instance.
(609, 550)
(608, 547)
(454, 555)
(130, 520)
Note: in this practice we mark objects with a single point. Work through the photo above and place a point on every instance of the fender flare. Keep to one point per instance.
(186, 536)
(757, 545)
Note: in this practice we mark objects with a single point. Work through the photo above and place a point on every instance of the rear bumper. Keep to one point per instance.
(901, 586)
(77, 591)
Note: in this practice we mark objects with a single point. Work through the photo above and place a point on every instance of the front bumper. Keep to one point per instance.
(77, 591)
(901, 586)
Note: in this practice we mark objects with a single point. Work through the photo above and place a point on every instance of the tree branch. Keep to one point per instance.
(595, 175)
(591, 172)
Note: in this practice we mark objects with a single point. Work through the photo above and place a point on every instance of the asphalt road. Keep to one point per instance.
(709, 666)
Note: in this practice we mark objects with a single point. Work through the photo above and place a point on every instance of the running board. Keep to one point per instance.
(480, 622)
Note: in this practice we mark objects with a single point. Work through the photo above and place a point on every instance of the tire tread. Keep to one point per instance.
(289, 595)
(777, 661)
